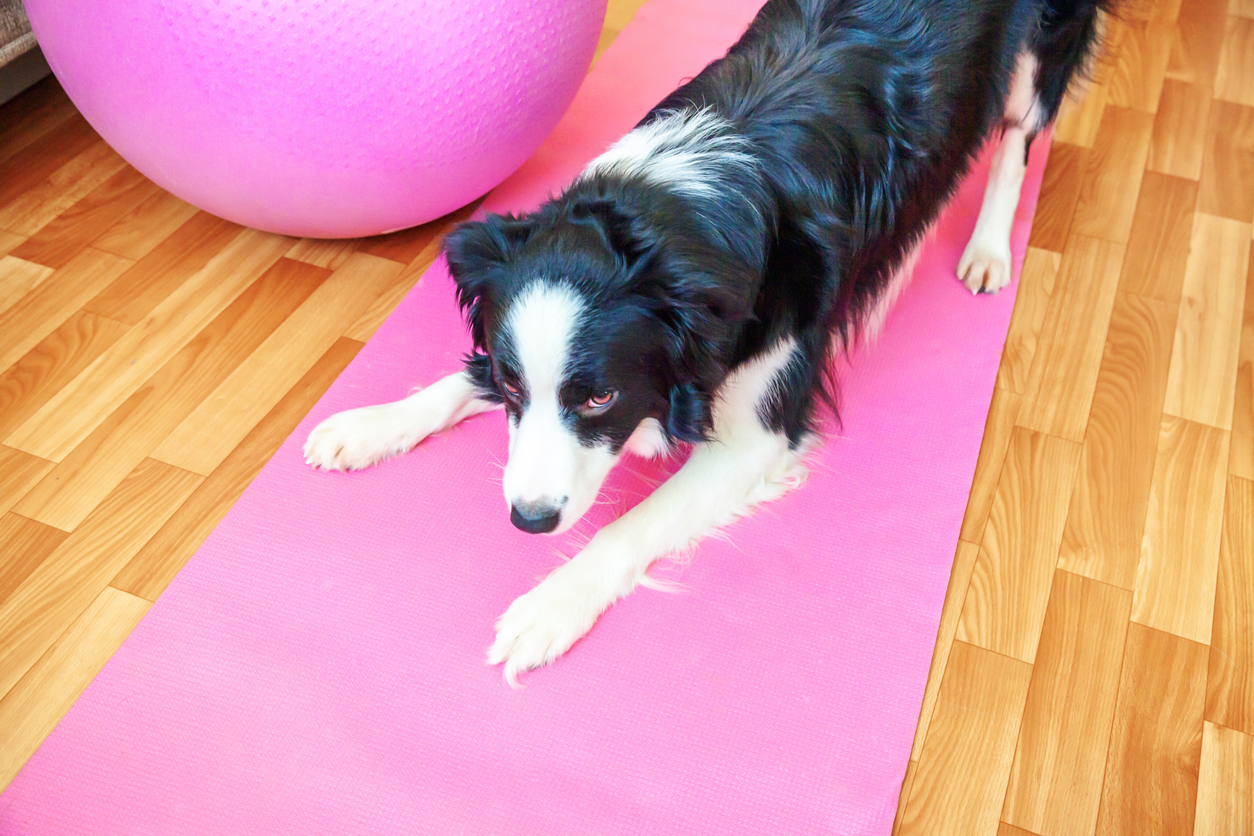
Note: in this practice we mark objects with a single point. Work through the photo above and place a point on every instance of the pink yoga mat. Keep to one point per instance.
(318, 667)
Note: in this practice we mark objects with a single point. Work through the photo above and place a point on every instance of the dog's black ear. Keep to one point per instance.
(702, 303)
(478, 367)
(700, 322)
(689, 418)
(476, 246)
(476, 252)
(622, 231)
(694, 368)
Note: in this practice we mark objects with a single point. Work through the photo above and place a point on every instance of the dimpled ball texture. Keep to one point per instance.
(322, 118)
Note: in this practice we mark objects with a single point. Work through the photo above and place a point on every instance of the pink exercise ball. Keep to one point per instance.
(323, 118)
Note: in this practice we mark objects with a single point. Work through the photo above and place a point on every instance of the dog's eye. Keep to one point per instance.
(600, 402)
(510, 389)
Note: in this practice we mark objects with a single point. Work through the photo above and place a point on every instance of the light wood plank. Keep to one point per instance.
(34, 706)
(320, 252)
(911, 768)
(45, 307)
(1234, 77)
(8, 241)
(1141, 64)
(959, 578)
(1080, 115)
(1179, 137)
(1225, 784)
(1175, 579)
(391, 296)
(1081, 112)
(1106, 520)
(1162, 231)
(18, 278)
(1241, 459)
(102, 460)
(32, 116)
(1011, 830)
(20, 472)
(26, 545)
(25, 169)
(407, 245)
(404, 245)
(66, 236)
(1001, 421)
(1112, 179)
(82, 496)
(207, 436)
(608, 36)
(1156, 740)
(1010, 584)
(1198, 38)
(1069, 350)
(961, 779)
(1230, 680)
(138, 291)
(82, 405)
(1056, 780)
(1036, 285)
(619, 13)
(1227, 185)
(54, 362)
(36, 208)
(156, 564)
(78, 570)
(1202, 381)
(143, 229)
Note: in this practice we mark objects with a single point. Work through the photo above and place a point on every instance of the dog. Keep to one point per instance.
(692, 285)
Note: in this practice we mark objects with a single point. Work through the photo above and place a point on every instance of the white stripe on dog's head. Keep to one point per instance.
(541, 324)
(551, 478)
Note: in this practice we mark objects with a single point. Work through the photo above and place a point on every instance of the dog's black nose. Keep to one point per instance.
(535, 517)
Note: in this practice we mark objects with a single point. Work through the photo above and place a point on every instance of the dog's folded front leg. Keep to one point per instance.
(722, 480)
(359, 438)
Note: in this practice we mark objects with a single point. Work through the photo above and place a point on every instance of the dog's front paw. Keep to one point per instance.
(543, 624)
(356, 439)
(985, 265)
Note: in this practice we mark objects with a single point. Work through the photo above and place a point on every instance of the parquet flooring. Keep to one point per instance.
(1094, 672)
(1119, 577)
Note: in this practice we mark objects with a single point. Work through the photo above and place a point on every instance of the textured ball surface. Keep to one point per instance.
(325, 118)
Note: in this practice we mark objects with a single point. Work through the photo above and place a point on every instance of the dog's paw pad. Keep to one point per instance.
(349, 440)
(984, 266)
(542, 625)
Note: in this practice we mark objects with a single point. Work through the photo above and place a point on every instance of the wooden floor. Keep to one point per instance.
(1095, 667)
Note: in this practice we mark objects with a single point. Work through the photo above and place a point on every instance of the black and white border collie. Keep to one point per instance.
(692, 285)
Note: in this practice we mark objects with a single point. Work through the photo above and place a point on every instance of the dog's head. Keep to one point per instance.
(600, 333)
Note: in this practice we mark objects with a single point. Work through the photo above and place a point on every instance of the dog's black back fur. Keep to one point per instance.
(862, 115)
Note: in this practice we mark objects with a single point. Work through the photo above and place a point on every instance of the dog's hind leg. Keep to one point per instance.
(744, 464)
(985, 264)
(1059, 48)
(359, 438)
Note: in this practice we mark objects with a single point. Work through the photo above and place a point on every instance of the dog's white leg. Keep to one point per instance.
(985, 264)
(359, 438)
(744, 465)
